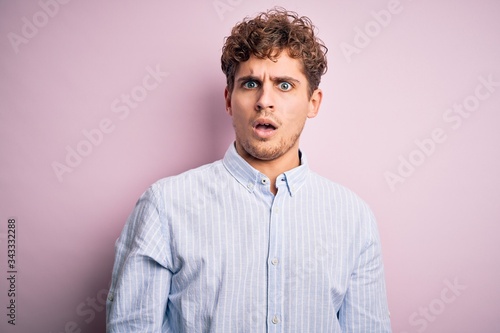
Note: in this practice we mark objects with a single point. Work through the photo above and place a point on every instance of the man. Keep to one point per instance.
(255, 242)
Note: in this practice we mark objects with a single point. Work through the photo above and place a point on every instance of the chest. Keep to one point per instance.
(235, 242)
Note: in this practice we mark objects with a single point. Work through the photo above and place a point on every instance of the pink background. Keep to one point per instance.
(439, 222)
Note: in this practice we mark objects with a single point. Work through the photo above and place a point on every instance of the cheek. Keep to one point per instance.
(239, 117)
(241, 109)
(297, 115)
(243, 99)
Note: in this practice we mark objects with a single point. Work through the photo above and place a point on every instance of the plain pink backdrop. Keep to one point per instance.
(391, 82)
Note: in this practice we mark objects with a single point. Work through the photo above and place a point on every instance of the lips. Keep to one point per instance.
(264, 128)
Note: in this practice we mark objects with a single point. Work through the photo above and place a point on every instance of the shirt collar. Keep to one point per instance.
(250, 177)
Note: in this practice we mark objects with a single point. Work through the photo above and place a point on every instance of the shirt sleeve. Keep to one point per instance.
(365, 308)
(137, 299)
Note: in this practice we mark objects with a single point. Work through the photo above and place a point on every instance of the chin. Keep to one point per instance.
(265, 152)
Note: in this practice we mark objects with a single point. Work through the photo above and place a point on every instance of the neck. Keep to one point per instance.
(272, 168)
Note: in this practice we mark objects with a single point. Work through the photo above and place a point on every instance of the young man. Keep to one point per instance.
(255, 242)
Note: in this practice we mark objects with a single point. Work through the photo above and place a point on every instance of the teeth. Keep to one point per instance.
(269, 125)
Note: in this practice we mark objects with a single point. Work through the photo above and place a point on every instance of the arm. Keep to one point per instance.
(364, 308)
(140, 284)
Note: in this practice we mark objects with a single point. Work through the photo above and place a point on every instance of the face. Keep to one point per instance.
(269, 106)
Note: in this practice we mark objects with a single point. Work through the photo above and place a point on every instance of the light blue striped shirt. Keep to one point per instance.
(213, 250)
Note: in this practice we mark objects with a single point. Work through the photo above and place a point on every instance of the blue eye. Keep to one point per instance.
(285, 86)
(250, 84)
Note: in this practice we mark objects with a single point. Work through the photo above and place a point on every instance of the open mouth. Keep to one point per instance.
(264, 128)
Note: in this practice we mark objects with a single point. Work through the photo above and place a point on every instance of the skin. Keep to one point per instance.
(275, 92)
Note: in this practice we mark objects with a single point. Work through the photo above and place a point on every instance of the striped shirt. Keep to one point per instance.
(213, 250)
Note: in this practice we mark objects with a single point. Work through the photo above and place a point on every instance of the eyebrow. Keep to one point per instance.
(247, 78)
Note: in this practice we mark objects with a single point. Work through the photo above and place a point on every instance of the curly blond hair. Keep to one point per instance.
(267, 35)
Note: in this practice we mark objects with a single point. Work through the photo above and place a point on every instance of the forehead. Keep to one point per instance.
(283, 65)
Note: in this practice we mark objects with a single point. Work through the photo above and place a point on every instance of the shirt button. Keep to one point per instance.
(274, 261)
(250, 186)
(275, 320)
(264, 180)
(110, 297)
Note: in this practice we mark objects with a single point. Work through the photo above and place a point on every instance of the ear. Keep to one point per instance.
(227, 98)
(314, 103)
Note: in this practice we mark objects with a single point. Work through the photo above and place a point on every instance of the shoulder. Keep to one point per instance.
(189, 178)
(185, 184)
(339, 198)
(326, 186)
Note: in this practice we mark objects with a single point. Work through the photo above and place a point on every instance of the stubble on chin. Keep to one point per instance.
(265, 149)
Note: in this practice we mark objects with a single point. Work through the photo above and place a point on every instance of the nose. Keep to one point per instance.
(265, 98)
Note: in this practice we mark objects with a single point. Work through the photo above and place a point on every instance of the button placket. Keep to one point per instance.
(275, 271)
